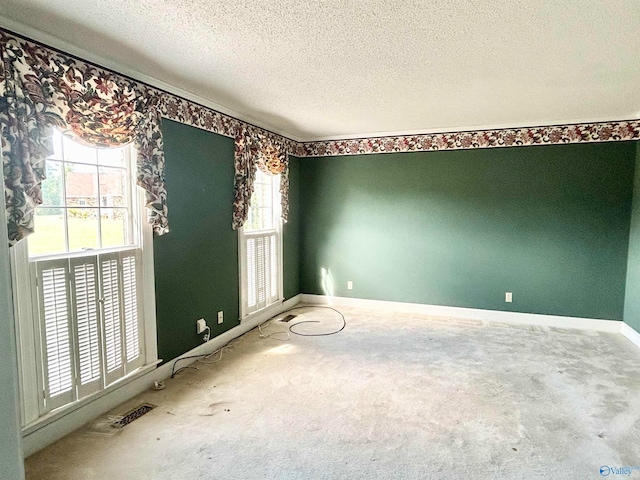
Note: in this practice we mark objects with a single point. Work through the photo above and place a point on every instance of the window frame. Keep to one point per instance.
(244, 234)
(29, 324)
(134, 217)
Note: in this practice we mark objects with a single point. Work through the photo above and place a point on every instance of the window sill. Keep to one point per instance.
(58, 413)
(267, 312)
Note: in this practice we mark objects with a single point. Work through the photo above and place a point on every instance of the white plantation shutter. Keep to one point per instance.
(261, 270)
(273, 269)
(84, 293)
(91, 323)
(131, 314)
(111, 316)
(55, 308)
(252, 294)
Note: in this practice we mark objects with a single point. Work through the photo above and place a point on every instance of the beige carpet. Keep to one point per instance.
(389, 397)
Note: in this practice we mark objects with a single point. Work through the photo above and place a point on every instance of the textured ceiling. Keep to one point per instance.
(338, 68)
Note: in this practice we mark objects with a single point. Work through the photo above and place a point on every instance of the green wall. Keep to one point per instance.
(196, 263)
(461, 228)
(632, 297)
(291, 234)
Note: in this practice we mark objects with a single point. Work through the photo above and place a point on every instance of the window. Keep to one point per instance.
(78, 278)
(260, 247)
(87, 200)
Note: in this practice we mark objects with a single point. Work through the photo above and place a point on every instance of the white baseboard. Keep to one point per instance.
(37, 437)
(631, 334)
(612, 326)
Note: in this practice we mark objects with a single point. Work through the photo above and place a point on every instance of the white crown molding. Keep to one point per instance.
(468, 128)
(57, 43)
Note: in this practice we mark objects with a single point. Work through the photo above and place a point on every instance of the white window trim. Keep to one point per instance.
(242, 256)
(27, 331)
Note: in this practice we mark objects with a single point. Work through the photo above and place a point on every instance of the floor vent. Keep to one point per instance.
(134, 414)
(288, 318)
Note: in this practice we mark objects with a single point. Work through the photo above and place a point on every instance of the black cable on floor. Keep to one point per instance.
(203, 355)
(344, 322)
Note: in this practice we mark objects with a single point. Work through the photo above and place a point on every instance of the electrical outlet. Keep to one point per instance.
(508, 297)
(349, 285)
(220, 317)
(201, 326)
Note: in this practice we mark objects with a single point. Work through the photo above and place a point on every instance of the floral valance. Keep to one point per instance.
(254, 149)
(41, 89)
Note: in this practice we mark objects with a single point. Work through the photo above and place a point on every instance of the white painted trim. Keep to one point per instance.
(29, 351)
(148, 283)
(39, 437)
(631, 334)
(11, 451)
(271, 311)
(466, 128)
(518, 318)
(245, 312)
(242, 255)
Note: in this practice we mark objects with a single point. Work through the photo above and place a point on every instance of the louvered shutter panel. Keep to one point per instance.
(111, 317)
(260, 269)
(131, 314)
(251, 275)
(84, 294)
(273, 270)
(55, 315)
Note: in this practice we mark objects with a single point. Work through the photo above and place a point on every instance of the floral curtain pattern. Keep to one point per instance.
(150, 169)
(245, 154)
(27, 117)
(271, 158)
(42, 89)
(253, 150)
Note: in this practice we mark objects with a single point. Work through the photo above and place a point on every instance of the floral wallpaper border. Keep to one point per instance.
(188, 112)
(512, 137)
(185, 111)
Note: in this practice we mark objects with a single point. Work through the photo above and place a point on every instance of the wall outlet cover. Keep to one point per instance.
(508, 297)
(201, 326)
(220, 317)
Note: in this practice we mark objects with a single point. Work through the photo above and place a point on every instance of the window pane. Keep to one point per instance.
(261, 213)
(81, 185)
(111, 157)
(114, 227)
(52, 186)
(57, 145)
(112, 187)
(75, 152)
(49, 235)
(83, 228)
